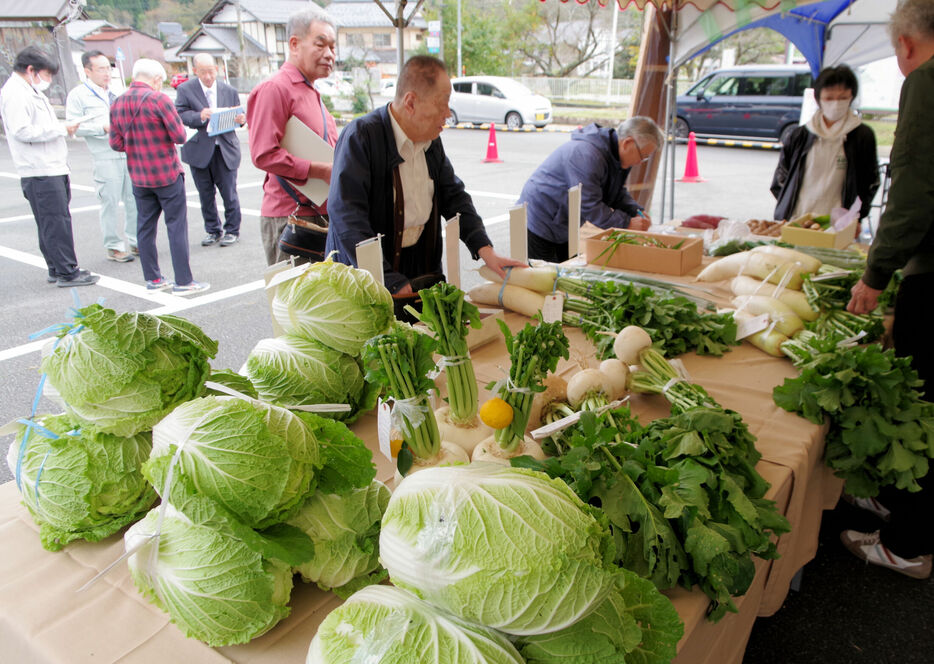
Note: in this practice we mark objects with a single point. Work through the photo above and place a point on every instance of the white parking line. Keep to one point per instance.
(493, 194)
(168, 303)
(248, 185)
(79, 187)
(24, 217)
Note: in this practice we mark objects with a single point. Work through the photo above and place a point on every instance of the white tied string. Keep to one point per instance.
(446, 361)
(505, 384)
(408, 414)
(671, 383)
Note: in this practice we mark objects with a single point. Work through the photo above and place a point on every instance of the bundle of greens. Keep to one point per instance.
(534, 352)
(881, 431)
(604, 308)
(829, 292)
(122, 373)
(685, 503)
(655, 375)
(449, 318)
(399, 362)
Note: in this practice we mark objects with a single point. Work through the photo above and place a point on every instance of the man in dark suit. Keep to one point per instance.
(214, 160)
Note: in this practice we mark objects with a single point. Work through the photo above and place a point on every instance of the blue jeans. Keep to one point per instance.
(150, 203)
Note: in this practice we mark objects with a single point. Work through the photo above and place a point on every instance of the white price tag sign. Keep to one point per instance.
(384, 429)
(553, 308)
(746, 327)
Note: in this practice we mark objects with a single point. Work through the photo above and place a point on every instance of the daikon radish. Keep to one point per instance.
(539, 279)
(490, 450)
(809, 263)
(794, 299)
(769, 340)
(786, 321)
(760, 265)
(515, 298)
(465, 435)
(556, 389)
(448, 454)
(617, 373)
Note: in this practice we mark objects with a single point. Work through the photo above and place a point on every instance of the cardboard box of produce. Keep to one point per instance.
(827, 239)
(598, 250)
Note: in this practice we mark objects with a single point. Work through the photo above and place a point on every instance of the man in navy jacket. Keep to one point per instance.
(214, 160)
(599, 159)
(391, 176)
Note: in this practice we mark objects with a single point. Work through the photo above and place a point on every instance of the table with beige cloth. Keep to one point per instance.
(43, 620)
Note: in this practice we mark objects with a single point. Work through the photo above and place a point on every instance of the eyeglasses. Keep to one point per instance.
(639, 150)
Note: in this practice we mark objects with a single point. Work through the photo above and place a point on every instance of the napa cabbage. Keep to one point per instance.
(220, 582)
(294, 371)
(345, 532)
(504, 547)
(390, 626)
(79, 484)
(258, 461)
(122, 373)
(334, 304)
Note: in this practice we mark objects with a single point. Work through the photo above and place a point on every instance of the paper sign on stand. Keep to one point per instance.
(452, 235)
(370, 257)
(574, 220)
(518, 233)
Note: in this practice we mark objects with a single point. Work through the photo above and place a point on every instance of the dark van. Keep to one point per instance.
(754, 101)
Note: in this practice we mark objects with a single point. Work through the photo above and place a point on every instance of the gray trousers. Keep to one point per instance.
(113, 185)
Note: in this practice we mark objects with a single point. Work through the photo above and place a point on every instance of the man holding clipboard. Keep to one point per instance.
(213, 158)
(290, 93)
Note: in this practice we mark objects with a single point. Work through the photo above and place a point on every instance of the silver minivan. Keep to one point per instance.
(754, 101)
(499, 99)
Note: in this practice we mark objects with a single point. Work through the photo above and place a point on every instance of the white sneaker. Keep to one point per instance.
(868, 547)
(870, 505)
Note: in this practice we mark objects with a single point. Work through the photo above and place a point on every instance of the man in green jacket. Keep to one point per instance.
(905, 240)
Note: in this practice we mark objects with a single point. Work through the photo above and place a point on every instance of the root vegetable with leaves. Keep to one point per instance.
(400, 361)
(534, 353)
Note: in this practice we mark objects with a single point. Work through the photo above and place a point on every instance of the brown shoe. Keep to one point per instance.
(868, 547)
(119, 256)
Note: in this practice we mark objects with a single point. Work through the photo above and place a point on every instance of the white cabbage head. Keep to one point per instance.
(504, 547)
(386, 625)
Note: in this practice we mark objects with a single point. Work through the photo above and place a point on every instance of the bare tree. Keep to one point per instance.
(571, 40)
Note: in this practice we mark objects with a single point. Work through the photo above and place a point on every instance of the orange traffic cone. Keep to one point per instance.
(492, 154)
(691, 173)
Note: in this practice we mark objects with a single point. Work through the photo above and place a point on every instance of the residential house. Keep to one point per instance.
(366, 35)
(128, 42)
(39, 23)
(263, 27)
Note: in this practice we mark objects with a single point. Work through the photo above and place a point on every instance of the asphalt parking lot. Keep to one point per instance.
(234, 311)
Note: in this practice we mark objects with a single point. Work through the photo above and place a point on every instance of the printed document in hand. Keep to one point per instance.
(301, 141)
(223, 120)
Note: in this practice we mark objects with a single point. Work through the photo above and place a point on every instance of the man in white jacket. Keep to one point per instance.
(93, 97)
(37, 145)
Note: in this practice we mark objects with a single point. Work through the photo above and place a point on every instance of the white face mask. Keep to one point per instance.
(835, 110)
(42, 85)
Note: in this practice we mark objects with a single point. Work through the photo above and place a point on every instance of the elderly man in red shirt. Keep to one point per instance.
(312, 38)
(145, 125)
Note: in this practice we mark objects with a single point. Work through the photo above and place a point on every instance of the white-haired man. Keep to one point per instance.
(312, 41)
(905, 240)
(145, 125)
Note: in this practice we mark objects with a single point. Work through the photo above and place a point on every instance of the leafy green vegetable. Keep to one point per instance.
(233, 380)
(499, 546)
(399, 362)
(390, 626)
(79, 485)
(293, 371)
(122, 373)
(348, 462)
(345, 532)
(881, 430)
(683, 498)
(449, 317)
(334, 304)
(534, 352)
(215, 585)
(258, 461)
(635, 623)
(603, 308)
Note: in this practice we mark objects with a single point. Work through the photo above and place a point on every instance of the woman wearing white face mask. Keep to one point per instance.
(832, 159)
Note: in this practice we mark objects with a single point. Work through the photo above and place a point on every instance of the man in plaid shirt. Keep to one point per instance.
(145, 125)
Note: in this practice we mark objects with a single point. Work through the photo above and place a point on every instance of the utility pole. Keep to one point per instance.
(611, 50)
(242, 72)
(460, 67)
